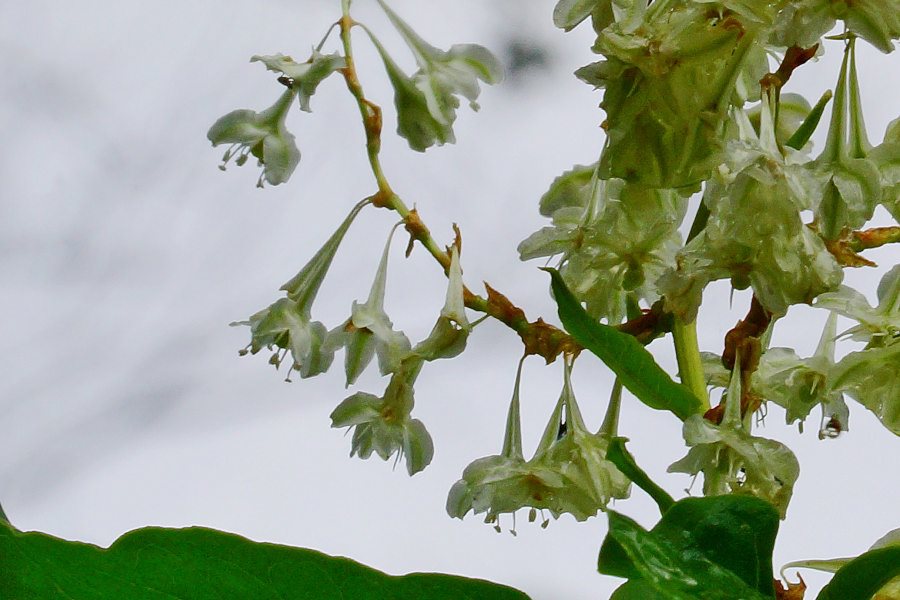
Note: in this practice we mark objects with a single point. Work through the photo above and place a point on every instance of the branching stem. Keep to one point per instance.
(538, 337)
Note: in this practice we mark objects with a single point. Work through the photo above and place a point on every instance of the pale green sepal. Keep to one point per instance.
(571, 189)
(451, 331)
(303, 287)
(561, 238)
(878, 326)
(872, 378)
(383, 425)
(446, 340)
(426, 102)
(454, 304)
(261, 134)
(733, 461)
(803, 22)
(568, 14)
(303, 77)
(569, 472)
(799, 385)
(287, 325)
(415, 122)
(358, 345)
(370, 331)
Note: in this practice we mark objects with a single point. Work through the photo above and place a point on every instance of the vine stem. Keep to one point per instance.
(539, 337)
(690, 367)
(684, 334)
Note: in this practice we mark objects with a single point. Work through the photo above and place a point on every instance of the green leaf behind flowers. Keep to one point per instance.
(631, 362)
(863, 576)
(198, 563)
(708, 548)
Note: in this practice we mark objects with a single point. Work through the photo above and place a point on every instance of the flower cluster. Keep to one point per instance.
(615, 239)
(693, 109)
(383, 424)
(569, 472)
(755, 235)
(735, 462)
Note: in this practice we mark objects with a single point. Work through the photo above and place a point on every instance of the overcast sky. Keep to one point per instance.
(126, 252)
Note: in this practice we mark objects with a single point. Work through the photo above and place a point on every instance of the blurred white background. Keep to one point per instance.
(125, 254)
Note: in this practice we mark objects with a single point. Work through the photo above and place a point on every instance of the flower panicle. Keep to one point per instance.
(568, 472)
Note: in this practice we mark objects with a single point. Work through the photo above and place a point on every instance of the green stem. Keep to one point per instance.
(687, 349)
(371, 116)
(687, 352)
(506, 313)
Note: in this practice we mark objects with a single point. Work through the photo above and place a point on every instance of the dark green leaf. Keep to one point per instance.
(618, 455)
(736, 532)
(636, 590)
(196, 563)
(731, 536)
(673, 572)
(631, 362)
(863, 576)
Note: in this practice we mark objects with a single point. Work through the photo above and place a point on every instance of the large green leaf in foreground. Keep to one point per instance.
(197, 563)
(631, 362)
(711, 548)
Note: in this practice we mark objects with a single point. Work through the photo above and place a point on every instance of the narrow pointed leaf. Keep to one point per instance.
(631, 362)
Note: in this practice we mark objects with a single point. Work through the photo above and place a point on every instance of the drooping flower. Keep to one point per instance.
(669, 80)
(369, 331)
(614, 239)
(878, 326)
(568, 473)
(261, 134)
(383, 426)
(287, 325)
(427, 101)
(799, 385)
(852, 180)
(872, 378)
(303, 77)
(803, 22)
(755, 234)
(735, 462)
(451, 331)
